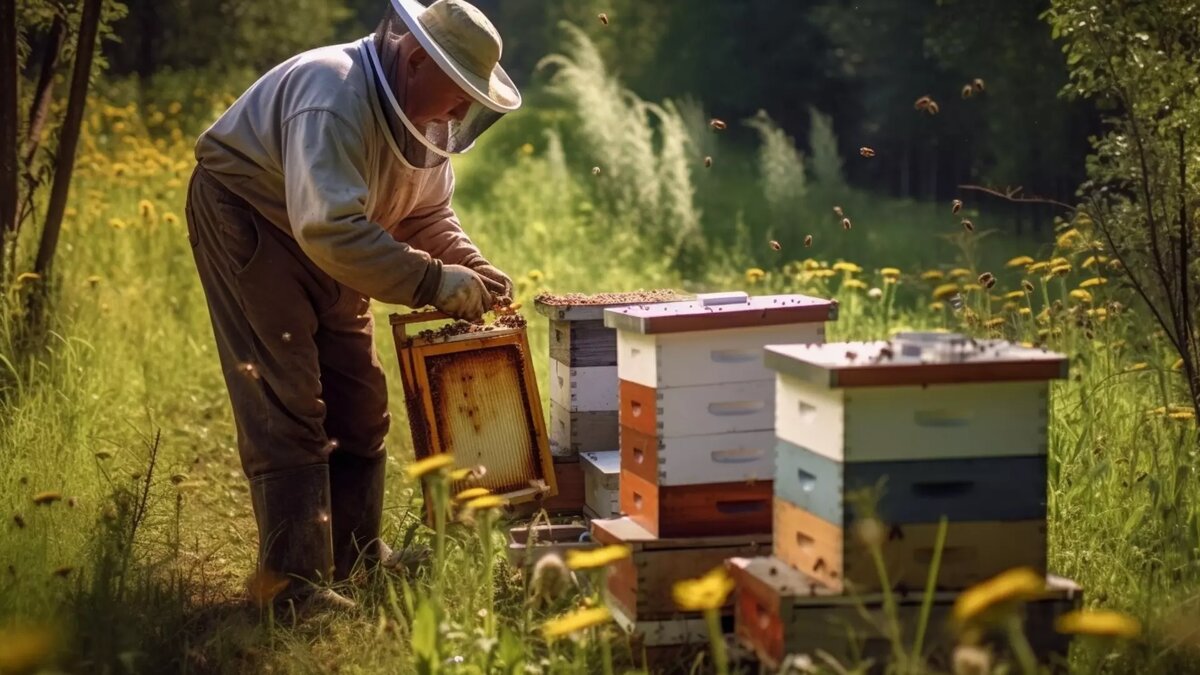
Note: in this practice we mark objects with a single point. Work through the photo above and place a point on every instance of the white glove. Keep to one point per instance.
(461, 294)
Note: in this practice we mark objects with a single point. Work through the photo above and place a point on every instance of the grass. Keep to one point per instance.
(125, 414)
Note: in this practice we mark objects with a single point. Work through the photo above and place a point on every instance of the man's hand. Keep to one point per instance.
(462, 294)
(497, 282)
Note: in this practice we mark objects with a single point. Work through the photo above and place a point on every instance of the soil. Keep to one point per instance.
(632, 298)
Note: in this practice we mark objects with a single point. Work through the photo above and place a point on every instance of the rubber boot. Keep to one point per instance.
(295, 550)
(357, 498)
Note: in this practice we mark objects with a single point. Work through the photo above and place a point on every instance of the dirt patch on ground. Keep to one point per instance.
(631, 298)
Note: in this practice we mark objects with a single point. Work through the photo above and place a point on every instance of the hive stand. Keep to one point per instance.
(878, 441)
(697, 408)
(583, 396)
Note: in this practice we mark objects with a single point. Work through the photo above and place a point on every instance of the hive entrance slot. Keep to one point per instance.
(808, 482)
(739, 506)
(736, 455)
(736, 407)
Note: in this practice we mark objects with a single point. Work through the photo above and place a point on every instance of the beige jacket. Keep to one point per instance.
(307, 146)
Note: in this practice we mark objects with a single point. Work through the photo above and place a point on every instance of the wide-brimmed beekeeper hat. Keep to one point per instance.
(467, 47)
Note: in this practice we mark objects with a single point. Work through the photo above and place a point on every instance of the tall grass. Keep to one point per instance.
(826, 161)
(130, 372)
(780, 166)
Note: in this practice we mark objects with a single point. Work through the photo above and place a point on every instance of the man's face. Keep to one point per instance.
(431, 96)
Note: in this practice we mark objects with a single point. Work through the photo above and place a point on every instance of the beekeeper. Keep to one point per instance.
(325, 184)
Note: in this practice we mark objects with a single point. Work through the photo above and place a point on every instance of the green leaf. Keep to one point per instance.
(425, 637)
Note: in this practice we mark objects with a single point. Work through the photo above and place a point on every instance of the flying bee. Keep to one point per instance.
(708, 162)
(956, 206)
(775, 245)
(967, 90)
(922, 103)
(717, 124)
(19, 521)
(837, 211)
(968, 225)
(603, 18)
(933, 108)
(846, 224)
(956, 301)
(866, 152)
(1027, 286)
(248, 370)
(977, 84)
(850, 356)
(595, 171)
(808, 241)
(987, 280)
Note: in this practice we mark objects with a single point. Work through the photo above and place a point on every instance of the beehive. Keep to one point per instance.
(582, 384)
(780, 610)
(935, 425)
(697, 408)
(473, 394)
(601, 483)
(640, 586)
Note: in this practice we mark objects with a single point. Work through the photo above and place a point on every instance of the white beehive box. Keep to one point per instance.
(601, 481)
(916, 397)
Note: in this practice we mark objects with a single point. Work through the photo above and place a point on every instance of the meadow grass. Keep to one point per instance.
(128, 381)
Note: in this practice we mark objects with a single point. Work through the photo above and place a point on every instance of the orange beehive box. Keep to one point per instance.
(697, 510)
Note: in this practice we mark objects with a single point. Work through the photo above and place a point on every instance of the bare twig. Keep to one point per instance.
(1014, 195)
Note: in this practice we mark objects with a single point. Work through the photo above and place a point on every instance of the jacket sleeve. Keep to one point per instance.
(433, 226)
(325, 181)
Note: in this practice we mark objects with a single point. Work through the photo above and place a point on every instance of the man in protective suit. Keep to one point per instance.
(325, 184)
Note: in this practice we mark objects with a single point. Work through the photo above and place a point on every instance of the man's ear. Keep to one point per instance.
(418, 57)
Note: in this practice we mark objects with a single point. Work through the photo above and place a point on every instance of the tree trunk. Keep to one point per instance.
(8, 124)
(40, 107)
(89, 24)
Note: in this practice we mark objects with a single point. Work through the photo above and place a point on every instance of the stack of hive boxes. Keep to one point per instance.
(697, 440)
(877, 442)
(583, 425)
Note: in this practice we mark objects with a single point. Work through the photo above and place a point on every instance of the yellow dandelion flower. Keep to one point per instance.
(959, 273)
(1007, 588)
(889, 272)
(932, 275)
(1025, 311)
(527, 149)
(1014, 295)
(1081, 295)
(937, 306)
(575, 622)
(27, 276)
(469, 493)
(1093, 260)
(118, 127)
(170, 218)
(1095, 281)
(174, 183)
(811, 264)
(1060, 270)
(854, 284)
(1011, 307)
(599, 557)
(1055, 262)
(1038, 267)
(25, 649)
(429, 465)
(1099, 313)
(174, 107)
(146, 209)
(47, 497)
(944, 291)
(1019, 261)
(93, 280)
(849, 267)
(459, 474)
(1178, 365)
(972, 288)
(1067, 237)
(1098, 622)
(116, 223)
(1182, 415)
(707, 592)
(994, 323)
(754, 275)
(823, 274)
(486, 502)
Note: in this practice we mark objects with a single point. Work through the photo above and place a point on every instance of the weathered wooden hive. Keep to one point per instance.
(697, 437)
(877, 442)
(583, 389)
(472, 392)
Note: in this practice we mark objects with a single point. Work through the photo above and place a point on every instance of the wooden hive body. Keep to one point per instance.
(697, 408)
(601, 483)
(641, 586)
(780, 611)
(475, 396)
(924, 427)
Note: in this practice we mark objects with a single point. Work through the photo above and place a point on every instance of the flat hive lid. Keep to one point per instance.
(607, 461)
(714, 311)
(915, 359)
(580, 307)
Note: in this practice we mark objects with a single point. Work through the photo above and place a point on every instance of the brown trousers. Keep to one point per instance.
(297, 347)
